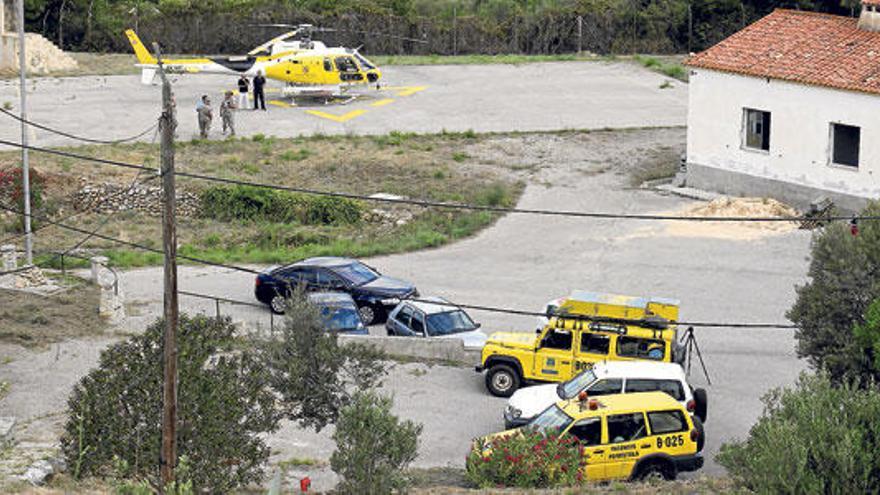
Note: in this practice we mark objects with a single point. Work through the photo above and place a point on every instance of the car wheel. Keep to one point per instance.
(502, 380)
(367, 314)
(278, 304)
(657, 471)
(701, 434)
(701, 399)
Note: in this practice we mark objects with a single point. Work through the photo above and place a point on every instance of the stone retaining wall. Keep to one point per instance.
(109, 198)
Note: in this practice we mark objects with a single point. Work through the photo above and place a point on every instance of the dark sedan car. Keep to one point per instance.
(374, 294)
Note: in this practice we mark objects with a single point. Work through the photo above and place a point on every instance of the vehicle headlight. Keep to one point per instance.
(513, 412)
(393, 301)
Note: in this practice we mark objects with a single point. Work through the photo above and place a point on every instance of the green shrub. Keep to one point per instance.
(313, 375)
(813, 439)
(251, 203)
(373, 447)
(327, 210)
(225, 409)
(868, 336)
(842, 283)
(497, 194)
(295, 156)
(526, 459)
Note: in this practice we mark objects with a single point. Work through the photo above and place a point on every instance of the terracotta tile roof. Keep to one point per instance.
(804, 47)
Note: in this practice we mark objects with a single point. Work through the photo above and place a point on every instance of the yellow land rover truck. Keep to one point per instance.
(645, 435)
(636, 328)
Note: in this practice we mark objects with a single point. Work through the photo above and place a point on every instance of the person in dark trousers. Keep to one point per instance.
(243, 86)
(259, 96)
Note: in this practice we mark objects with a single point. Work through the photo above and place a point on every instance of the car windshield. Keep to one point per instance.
(571, 388)
(552, 420)
(356, 273)
(340, 319)
(449, 322)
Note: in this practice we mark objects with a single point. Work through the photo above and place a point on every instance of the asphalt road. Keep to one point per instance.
(524, 261)
(528, 97)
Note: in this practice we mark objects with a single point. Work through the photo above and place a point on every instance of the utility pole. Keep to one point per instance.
(25, 166)
(167, 124)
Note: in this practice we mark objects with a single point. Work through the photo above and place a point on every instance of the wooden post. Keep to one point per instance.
(167, 125)
(580, 34)
(25, 167)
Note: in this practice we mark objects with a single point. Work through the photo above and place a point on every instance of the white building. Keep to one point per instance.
(789, 108)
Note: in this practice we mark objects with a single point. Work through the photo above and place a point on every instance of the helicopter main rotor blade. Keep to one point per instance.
(308, 27)
(267, 45)
(393, 36)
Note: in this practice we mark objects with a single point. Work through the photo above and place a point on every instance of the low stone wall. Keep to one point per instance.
(418, 348)
(110, 198)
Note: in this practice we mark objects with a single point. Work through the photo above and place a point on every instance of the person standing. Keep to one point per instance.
(259, 96)
(227, 106)
(243, 88)
(205, 115)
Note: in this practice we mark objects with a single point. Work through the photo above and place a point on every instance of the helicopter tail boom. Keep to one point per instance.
(140, 51)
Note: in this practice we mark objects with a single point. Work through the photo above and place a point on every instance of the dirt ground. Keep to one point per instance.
(34, 320)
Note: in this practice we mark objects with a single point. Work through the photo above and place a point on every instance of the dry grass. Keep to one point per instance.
(33, 320)
(422, 167)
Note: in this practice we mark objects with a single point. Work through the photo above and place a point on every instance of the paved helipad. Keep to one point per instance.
(485, 98)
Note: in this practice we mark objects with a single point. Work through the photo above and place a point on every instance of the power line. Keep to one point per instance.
(445, 205)
(128, 243)
(73, 136)
(465, 306)
(93, 206)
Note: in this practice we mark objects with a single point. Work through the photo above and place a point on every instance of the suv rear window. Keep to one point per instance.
(666, 422)
(672, 387)
(641, 348)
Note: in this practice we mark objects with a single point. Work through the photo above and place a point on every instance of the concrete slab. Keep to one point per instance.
(485, 98)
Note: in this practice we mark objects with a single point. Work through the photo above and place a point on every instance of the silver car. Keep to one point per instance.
(434, 317)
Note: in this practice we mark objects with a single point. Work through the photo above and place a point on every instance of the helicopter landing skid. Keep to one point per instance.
(325, 95)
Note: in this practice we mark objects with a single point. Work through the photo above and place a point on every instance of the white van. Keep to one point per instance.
(608, 377)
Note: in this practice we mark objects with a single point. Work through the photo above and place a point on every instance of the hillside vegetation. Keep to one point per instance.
(445, 26)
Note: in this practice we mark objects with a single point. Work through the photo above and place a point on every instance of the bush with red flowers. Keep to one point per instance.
(12, 191)
(526, 459)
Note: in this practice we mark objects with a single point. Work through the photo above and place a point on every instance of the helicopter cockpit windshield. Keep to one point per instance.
(366, 64)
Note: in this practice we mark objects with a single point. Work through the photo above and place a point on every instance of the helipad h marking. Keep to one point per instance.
(337, 118)
(406, 90)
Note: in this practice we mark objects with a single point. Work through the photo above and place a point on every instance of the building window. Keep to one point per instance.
(757, 129)
(845, 144)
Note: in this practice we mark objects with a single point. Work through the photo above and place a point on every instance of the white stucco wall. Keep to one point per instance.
(800, 135)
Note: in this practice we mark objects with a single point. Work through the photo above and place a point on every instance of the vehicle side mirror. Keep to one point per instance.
(477, 325)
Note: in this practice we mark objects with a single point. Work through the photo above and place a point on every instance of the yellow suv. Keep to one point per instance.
(634, 328)
(624, 436)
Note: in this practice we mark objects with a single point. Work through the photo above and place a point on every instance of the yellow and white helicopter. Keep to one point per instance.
(308, 67)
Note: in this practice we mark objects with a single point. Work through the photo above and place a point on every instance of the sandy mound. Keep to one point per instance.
(734, 207)
(731, 230)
